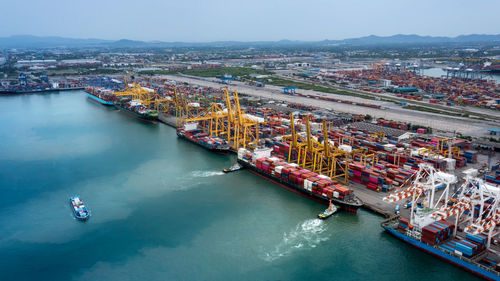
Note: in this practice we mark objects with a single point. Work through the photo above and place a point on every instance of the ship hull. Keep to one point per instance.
(352, 208)
(76, 214)
(222, 151)
(146, 118)
(99, 100)
(36, 91)
(474, 269)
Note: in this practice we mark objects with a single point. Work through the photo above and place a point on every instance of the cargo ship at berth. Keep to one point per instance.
(15, 91)
(137, 109)
(101, 95)
(301, 181)
(458, 224)
(26, 86)
(214, 144)
(468, 253)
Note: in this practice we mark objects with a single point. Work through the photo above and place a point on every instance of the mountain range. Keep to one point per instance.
(30, 41)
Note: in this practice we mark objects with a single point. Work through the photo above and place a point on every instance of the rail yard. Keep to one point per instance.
(250, 140)
(420, 151)
(438, 192)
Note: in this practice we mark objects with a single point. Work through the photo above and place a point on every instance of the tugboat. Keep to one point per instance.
(298, 180)
(332, 209)
(79, 209)
(233, 168)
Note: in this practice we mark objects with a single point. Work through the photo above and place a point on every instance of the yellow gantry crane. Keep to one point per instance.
(212, 120)
(242, 129)
(232, 124)
(159, 103)
(379, 136)
(320, 157)
(447, 150)
(135, 92)
(182, 110)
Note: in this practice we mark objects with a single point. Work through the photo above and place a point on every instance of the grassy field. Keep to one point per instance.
(413, 105)
(431, 110)
(308, 86)
(83, 71)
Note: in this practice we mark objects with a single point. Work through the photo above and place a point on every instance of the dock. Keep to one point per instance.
(167, 119)
(372, 200)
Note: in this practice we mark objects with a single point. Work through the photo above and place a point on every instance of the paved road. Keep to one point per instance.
(389, 110)
(479, 110)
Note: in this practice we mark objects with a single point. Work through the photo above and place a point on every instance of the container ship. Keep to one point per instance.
(301, 181)
(79, 209)
(457, 224)
(468, 253)
(26, 86)
(101, 95)
(18, 91)
(137, 109)
(214, 144)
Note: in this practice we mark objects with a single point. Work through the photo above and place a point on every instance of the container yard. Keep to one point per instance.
(293, 143)
(25, 85)
(389, 110)
(406, 174)
(436, 192)
(446, 91)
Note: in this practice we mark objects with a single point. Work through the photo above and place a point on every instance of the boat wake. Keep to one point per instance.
(305, 235)
(194, 179)
(206, 174)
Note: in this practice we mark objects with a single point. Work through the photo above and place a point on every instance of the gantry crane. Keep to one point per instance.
(474, 195)
(135, 91)
(232, 124)
(446, 148)
(474, 205)
(321, 157)
(422, 186)
(213, 120)
(378, 136)
(181, 108)
(242, 128)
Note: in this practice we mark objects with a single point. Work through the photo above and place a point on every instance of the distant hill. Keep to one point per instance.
(30, 41)
(417, 39)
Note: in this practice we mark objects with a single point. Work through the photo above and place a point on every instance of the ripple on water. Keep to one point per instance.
(305, 235)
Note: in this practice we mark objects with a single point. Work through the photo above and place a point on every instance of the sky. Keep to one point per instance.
(249, 20)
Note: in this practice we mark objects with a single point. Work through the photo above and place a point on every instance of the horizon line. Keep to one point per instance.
(248, 41)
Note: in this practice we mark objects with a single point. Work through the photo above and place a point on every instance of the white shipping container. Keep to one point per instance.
(345, 147)
(274, 159)
(241, 152)
(308, 184)
(278, 169)
(336, 194)
(190, 126)
(261, 153)
(323, 177)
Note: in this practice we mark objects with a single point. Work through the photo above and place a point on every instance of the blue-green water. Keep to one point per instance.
(161, 210)
(438, 72)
